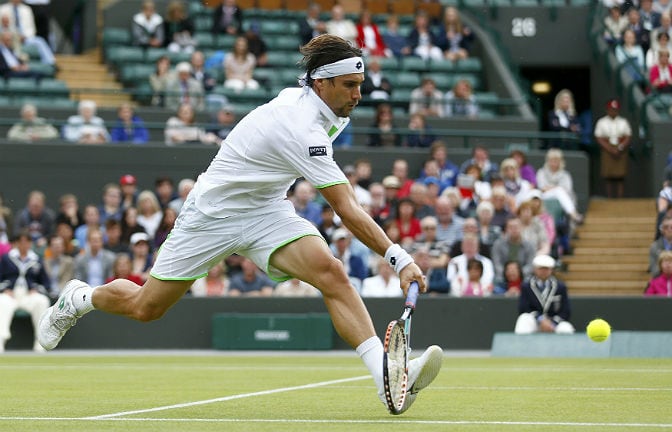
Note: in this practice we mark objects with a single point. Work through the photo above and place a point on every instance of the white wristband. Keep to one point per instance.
(397, 257)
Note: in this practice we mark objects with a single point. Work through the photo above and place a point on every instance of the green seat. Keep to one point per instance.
(404, 80)
(389, 64)
(225, 42)
(204, 40)
(266, 76)
(441, 66)
(131, 74)
(278, 27)
(51, 102)
(473, 79)
(54, 87)
(31, 51)
(401, 96)
(558, 3)
(283, 43)
(554, 209)
(443, 81)
(283, 59)
(203, 23)
(489, 99)
(501, 3)
(116, 36)
(525, 3)
(177, 57)
(125, 54)
(412, 63)
(474, 3)
(366, 112)
(289, 77)
(153, 54)
(21, 87)
(470, 64)
(46, 70)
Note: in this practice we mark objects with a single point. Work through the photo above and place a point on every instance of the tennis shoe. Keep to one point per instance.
(421, 373)
(60, 317)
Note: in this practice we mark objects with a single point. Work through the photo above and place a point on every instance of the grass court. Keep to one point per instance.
(277, 392)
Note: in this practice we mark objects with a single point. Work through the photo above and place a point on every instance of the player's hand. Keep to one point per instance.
(412, 273)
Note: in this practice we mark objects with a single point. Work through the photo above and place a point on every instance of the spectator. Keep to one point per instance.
(447, 169)
(239, 67)
(69, 212)
(311, 25)
(123, 269)
(355, 266)
(42, 15)
(449, 229)
(111, 207)
(149, 212)
(165, 227)
(340, 25)
(94, 266)
(481, 157)
(11, 65)
(198, 72)
(295, 288)
(512, 247)
(164, 189)
(423, 202)
(86, 127)
(455, 38)
(613, 133)
(642, 34)
(426, 99)
(437, 280)
(556, 183)
(141, 255)
(661, 285)
(384, 284)
(31, 128)
(422, 41)
(91, 222)
(460, 101)
(250, 282)
(533, 229)
(178, 29)
(407, 224)
(527, 171)
(59, 266)
(181, 129)
(24, 285)
(376, 86)
(438, 250)
(662, 42)
(6, 227)
(396, 42)
(304, 203)
(22, 21)
(129, 224)
(614, 25)
(37, 218)
(129, 127)
(563, 117)
(65, 231)
(225, 120)
(214, 284)
(517, 188)
(369, 38)
(184, 89)
(663, 7)
(633, 54)
(379, 208)
(661, 244)
(660, 75)
(228, 19)
(665, 27)
(513, 280)
(400, 171)
(160, 79)
(384, 135)
(500, 203)
(113, 241)
(488, 232)
(328, 223)
(420, 133)
(256, 45)
(543, 303)
(184, 187)
(363, 196)
(147, 27)
(649, 18)
(460, 270)
(129, 190)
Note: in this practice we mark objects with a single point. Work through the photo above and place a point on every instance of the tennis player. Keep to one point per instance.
(239, 205)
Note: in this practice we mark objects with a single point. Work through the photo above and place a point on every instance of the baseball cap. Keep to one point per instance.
(183, 67)
(127, 179)
(543, 261)
(391, 182)
(431, 180)
(614, 103)
(340, 234)
(138, 237)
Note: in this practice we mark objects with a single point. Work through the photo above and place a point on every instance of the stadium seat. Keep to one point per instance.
(558, 3)
(31, 51)
(525, 3)
(21, 87)
(412, 63)
(501, 3)
(125, 54)
(132, 74)
(176, 57)
(153, 54)
(474, 3)
(205, 40)
(283, 43)
(278, 27)
(203, 23)
(389, 64)
(470, 64)
(116, 36)
(443, 81)
(472, 78)
(266, 77)
(404, 80)
(225, 42)
(54, 87)
(442, 66)
(283, 59)
(46, 70)
(50, 102)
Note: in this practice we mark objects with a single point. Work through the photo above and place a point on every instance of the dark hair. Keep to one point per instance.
(474, 263)
(325, 49)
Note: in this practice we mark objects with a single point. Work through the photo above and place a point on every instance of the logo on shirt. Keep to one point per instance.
(317, 151)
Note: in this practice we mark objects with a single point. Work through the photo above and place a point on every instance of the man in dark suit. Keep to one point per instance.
(11, 66)
(228, 19)
(311, 25)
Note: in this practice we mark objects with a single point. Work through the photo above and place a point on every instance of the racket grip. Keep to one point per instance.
(412, 296)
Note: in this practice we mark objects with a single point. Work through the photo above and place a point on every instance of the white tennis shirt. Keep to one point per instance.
(289, 137)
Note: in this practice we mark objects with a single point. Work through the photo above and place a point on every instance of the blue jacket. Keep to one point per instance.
(138, 134)
(32, 269)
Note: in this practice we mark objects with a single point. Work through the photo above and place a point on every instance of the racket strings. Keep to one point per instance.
(397, 378)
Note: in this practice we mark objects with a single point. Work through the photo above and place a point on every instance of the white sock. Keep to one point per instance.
(82, 299)
(371, 352)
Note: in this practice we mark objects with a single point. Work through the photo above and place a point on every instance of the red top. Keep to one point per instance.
(379, 50)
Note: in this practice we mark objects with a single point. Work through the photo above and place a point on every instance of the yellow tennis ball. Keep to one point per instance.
(598, 330)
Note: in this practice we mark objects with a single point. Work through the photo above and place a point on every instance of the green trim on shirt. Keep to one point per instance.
(331, 184)
(332, 131)
(193, 278)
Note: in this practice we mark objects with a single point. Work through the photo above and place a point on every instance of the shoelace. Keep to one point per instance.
(63, 321)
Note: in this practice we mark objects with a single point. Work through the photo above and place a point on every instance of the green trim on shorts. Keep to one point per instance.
(330, 184)
(155, 276)
(285, 243)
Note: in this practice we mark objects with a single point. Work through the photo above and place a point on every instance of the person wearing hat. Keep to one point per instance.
(141, 258)
(129, 190)
(183, 88)
(543, 303)
(613, 134)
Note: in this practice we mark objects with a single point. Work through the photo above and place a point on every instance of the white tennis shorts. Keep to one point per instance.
(198, 241)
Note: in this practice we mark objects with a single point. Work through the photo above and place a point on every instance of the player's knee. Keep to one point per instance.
(147, 313)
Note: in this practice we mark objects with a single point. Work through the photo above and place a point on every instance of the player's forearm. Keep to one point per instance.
(366, 230)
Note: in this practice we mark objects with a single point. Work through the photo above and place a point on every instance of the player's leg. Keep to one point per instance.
(325, 272)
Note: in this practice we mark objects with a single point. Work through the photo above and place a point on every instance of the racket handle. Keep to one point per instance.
(412, 296)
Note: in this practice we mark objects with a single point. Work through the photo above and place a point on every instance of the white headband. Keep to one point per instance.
(342, 67)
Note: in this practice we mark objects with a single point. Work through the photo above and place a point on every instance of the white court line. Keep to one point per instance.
(392, 420)
(539, 388)
(228, 398)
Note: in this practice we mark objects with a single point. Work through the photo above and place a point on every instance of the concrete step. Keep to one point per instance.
(613, 251)
(610, 242)
(589, 267)
(616, 235)
(598, 275)
(606, 287)
(606, 259)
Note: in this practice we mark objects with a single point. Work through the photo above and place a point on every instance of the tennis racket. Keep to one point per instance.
(397, 349)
